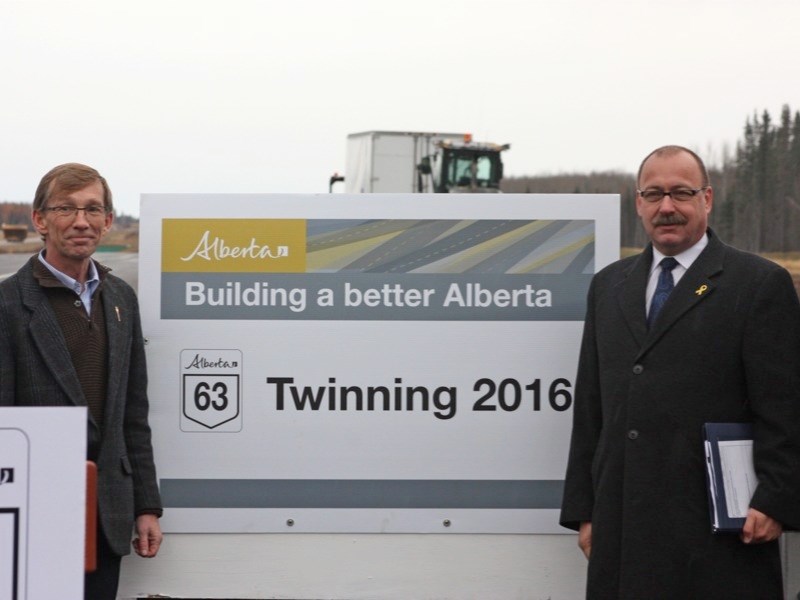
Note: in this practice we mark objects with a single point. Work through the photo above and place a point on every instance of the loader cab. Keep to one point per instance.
(463, 168)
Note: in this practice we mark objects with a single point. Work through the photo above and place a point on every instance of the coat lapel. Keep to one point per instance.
(697, 284)
(631, 295)
(49, 339)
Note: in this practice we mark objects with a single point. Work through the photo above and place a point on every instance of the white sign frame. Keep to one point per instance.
(185, 452)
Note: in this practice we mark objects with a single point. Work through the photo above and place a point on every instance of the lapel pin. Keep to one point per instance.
(116, 308)
(701, 290)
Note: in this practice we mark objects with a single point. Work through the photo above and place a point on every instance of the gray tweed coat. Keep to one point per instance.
(36, 370)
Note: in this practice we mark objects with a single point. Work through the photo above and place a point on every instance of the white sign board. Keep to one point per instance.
(42, 502)
(369, 363)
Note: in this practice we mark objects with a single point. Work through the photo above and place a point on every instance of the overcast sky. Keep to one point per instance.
(259, 96)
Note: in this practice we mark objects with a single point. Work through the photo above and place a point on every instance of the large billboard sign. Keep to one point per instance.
(369, 363)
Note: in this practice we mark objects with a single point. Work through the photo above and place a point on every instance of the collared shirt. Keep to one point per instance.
(84, 291)
(685, 260)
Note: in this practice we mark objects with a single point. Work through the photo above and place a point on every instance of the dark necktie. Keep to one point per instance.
(663, 289)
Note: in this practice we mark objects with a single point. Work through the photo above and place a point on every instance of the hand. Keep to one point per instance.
(149, 536)
(759, 528)
(585, 538)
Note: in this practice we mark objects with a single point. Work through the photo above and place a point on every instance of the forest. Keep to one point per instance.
(756, 188)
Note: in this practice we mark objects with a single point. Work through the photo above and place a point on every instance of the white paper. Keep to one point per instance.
(738, 475)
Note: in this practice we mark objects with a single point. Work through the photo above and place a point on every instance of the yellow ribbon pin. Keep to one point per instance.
(701, 290)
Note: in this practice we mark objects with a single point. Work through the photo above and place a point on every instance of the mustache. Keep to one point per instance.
(673, 219)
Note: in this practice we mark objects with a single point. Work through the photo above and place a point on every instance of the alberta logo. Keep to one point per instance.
(217, 248)
(233, 245)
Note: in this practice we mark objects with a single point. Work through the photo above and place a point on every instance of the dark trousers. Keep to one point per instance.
(102, 583)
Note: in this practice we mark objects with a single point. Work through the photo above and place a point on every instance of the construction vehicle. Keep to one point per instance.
(419, 162)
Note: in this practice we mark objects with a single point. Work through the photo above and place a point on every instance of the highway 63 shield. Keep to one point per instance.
(211, 390)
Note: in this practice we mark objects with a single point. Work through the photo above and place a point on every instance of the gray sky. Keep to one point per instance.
(259, 96)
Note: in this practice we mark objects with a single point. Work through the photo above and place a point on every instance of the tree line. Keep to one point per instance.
(756, 188)
(19, 213)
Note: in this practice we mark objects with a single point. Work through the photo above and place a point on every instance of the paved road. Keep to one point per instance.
(123, 264)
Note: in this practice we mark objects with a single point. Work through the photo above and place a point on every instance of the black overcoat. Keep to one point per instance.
(726, 348)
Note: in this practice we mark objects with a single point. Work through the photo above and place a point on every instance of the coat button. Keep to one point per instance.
(633, 434)
(638, 369)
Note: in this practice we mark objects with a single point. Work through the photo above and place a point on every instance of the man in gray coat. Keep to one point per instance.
(689, 331)
(70, 335)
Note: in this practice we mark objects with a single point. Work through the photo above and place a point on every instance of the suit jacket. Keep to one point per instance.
(36, 370)
(726, 347)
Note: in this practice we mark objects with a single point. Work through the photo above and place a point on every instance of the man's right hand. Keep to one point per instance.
(585, 538)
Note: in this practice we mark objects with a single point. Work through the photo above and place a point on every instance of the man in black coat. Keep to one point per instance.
(70, 335)
(723, 347)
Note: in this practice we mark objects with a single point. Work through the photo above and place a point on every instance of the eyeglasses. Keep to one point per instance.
(93, 211)
(678, 194)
